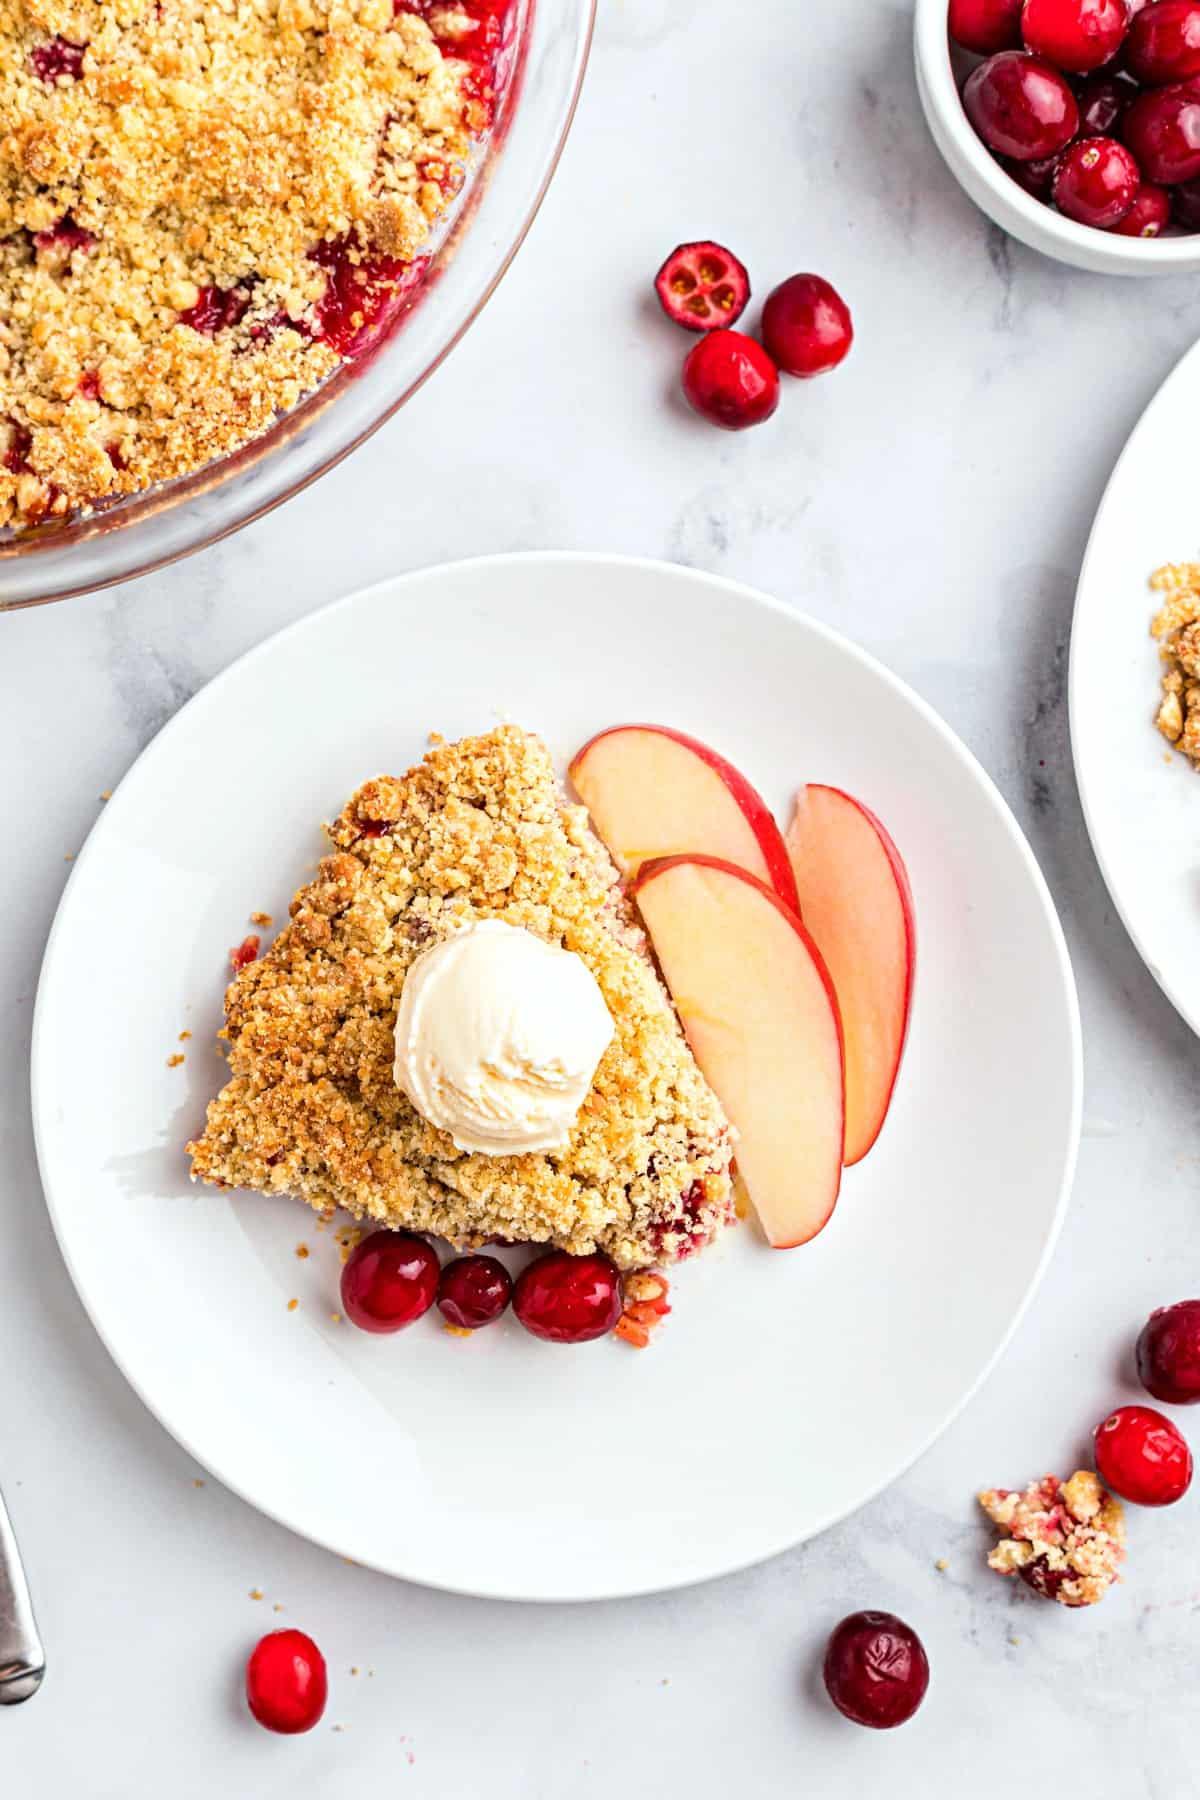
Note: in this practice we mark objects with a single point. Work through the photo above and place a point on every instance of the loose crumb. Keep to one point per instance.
(277, 1607)
(196, 1481)
(173, 1062)
(1014, 1641)
(457, 1330)
(107, 794)
(941, 1565)
(69, 857)
(263, 919)
(353, 1671)
(335, 1318)
(256, 1593)
(184, 1036)
(302, 1251)
(292, 1305)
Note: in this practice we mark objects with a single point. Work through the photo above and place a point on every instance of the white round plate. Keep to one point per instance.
(789, 1387)
(1141, 801)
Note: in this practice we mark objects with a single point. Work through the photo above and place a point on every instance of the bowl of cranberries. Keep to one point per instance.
(1074, 124)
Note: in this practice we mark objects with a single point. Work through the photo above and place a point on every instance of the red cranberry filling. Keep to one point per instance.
(66, 235)
(216, 309)
(57, 58)
(361, 297)
(20, 443)
(247, 951)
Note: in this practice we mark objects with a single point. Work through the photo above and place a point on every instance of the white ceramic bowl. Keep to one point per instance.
(940, 68)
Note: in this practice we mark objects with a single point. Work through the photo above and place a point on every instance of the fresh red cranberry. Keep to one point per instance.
(216, 309)
(701, 285)
(473, 1290)
(806, 326)
(568, 1299)
(286, 1682)
(876, 1670)
(57, 59)
(1164, 43)
(1168, 1353)
(1020, 106)
(1162, 128)
(363, 294)
(1102, 100)
(1078, 35)
(1143, 1457)
(730, 380)
(1185, 205)
(986, 26)
(1095, 182)
(1149, 215)
(1035, 177)
(389, 1280)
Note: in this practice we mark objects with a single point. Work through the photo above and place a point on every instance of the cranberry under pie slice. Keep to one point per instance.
(479, 830)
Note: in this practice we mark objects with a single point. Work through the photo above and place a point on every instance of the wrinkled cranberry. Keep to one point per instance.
(389, 1281)
(876, 1670)
(986, 26)
(806, 326)
(1020, 106)
(1102, 100)
(58, 58)
(701, 285)
(1164, 43)
(473, 1291)
(730, 380)
(1168, 1353)
(1149, 215)
(1143, 1457)
(1077, 35)
(286, 1682)
(568, 1299)
(1095, 182)
(1162, 128)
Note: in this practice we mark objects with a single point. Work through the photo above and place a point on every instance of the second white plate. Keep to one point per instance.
(789, 1386)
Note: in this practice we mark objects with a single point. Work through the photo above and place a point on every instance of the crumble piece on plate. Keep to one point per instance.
(478, 830)
(1065, 1539)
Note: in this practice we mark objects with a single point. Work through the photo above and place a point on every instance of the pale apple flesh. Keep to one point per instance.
(857, 903)
(762, 1020)
(655, 792)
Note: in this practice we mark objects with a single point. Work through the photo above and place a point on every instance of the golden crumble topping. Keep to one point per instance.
(201, 204)
(1066, 1540)
(479, 829)
(1176, 626)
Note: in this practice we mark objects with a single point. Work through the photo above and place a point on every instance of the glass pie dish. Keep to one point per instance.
(510, 172)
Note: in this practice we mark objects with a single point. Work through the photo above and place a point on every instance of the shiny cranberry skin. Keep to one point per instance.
(1168, 1353)
(1020, 106)
(1078, 35)
(1035, 177)
(389, 1280)
(568, 1299)
(806, 326)
(1149, 215)
(473, 1291)
(1185, 205)
(986, 26)
(876, 1670)
(1102, 100)
(1164, 43)
(1095, 182)
(286, 1682)
(1143, 1457)
(1162, 128)
(730, 380)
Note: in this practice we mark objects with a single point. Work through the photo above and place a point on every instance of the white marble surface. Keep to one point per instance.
(932, 501)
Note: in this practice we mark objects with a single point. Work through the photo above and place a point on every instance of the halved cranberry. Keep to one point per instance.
(702, 285)
(216, 309)
(1149, 215)
(806, 326)
(1164, 43)
(876, 1670)
(1020, 106)
(1168, 1353)
(730, 380)
(1162, 128)
(1143, 1457)
(473, 1291)
(389, 1281)
(361, 297)
(1102, 100)
(568, 1299)
(58, 57)
(1077, 35)
(986, 26)
(286, 1682)
(1095, 182)
(1035, 177)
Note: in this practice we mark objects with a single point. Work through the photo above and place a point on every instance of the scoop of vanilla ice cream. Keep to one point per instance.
(498, 1037)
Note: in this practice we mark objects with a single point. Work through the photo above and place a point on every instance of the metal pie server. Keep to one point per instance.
(22, 1659)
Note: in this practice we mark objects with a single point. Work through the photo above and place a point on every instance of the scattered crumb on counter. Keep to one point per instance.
(107, 794)
(256, 1593)
(173, 1062)
(196, 1481)
(184, 1036)
(353, 1670)
(1014, 1641)
(335, 1318)
(276, 1607)
(292, 1305)
(457, 1330)
(69, 857)
(337, 1728)
(435, 737)
(302, 1251)
(941, 1565)
(263, 919)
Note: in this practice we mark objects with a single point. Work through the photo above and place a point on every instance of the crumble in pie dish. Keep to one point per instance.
(204, 208)
(479, 830)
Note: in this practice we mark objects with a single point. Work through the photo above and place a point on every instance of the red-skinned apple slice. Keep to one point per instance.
(654, 792)
(857, 903)
(762, 1019)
